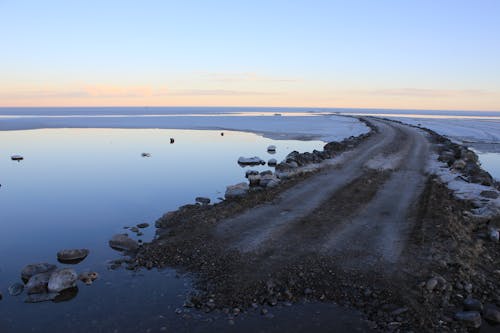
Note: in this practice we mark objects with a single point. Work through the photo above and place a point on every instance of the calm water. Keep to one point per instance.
(77, 187)
(491, 163)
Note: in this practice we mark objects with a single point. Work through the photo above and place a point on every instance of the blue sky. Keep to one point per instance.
(401, 54)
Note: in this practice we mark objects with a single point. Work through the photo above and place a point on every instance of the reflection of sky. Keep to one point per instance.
(76, 187)
(491, 163)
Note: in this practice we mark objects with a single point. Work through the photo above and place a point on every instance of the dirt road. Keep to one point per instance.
(375, 229)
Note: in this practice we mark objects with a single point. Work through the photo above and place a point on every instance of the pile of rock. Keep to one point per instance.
(46, 282)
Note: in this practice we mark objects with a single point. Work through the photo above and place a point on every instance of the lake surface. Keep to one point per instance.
(491, 163)
(75, 188)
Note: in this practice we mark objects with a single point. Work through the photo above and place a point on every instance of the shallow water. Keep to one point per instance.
(77, 187)
(491, 163)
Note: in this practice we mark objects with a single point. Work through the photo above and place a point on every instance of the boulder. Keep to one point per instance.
(33, 269)
(62, 279)
(16, 158)
(237, 190)
(88, 277)
(122, 242)
(489, 194)
(72, 256)
(271, 148)
(472, 304)
(143, 225)
(16, 289)
(251, 161)
(254, 180)
(492, 314)
(272, 162)
(469, 318)
(37, 284)
(251, 172)
(202, 200)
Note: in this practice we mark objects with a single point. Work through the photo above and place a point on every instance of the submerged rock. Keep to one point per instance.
(62, 279)
(37, 298)
(88, 277)
(17, 158)
(33, 269)
(72, 256)
(251, 161)
(143, 225)
(237, 190)
(271, 148)
(272, 162)
(146, 155)
(16, 289)
(122, 242)
(37, 284)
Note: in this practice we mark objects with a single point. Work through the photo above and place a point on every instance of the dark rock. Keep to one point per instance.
(143, 225)
(489, 194)
(251, 172)
(122, 242)
(88, 277)
(72, 256)
(37, 284)
(469, 318)
(33, 269)
(472, 304)
(37, 298)
(492, 314)
(203, 200)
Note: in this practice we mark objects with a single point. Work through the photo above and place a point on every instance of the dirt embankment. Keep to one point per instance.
(369, 231)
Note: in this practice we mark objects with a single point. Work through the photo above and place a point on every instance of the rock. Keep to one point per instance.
(472, 304)
(272, 162)
(468, 287)
(251, 172)
(88, 277)
(269, 181)
(202, 200)
(17, 158)
(271, 148)
(459, 165)
(72, 256)
(492, 314)
(254, 180)
(172, 140)
(134, 229)
(494, 235)
(62, 279)
(469, 318)
(431, 284)
(266, 172)
(122, 242)
(489, 194)
(144, 225)
(250, 161)
(237, 190)
(16, 289)
(37, 284)
(33, 269)
(146, 155)
(37, 298)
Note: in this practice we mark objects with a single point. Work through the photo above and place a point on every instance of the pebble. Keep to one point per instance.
(431, 284)
(492, 315)
(472, 304)
(469, 318)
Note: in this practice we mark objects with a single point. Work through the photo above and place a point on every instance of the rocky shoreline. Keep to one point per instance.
(447, 280)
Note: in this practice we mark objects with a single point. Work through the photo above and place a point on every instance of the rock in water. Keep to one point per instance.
(250, 161)
(469, 318)
(146, 155)
(237, 190)
(72, 256)
(17, 158)
(37, 284)
(62, 279)
(16, 289)
(254, 180)
(33, 269)
(202, 200)
(271, 148)
(88, 277)
(143, 225)
(122, 242)
(272, 162)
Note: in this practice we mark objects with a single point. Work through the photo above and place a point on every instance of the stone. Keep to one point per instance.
(62, 279)
(16, 289)
(254, 180)
(146, 155)
(238, 190)
(431, 284)
(494, 235)
(134, 229)
(202, 200)
(251, 161)
(17, 158)
(469, 318)
(489, 194)
(122, 242)
(37, 298)
(88, 277)
(251, 172)
(33, 269)
(472, 304)
(272, 162)
(271, 148)
(459, 165)
(72, 256)
(269, 180)
(492, 314)
(37, 284)
(143, 225)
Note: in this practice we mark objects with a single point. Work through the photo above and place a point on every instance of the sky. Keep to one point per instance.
(413, 54)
